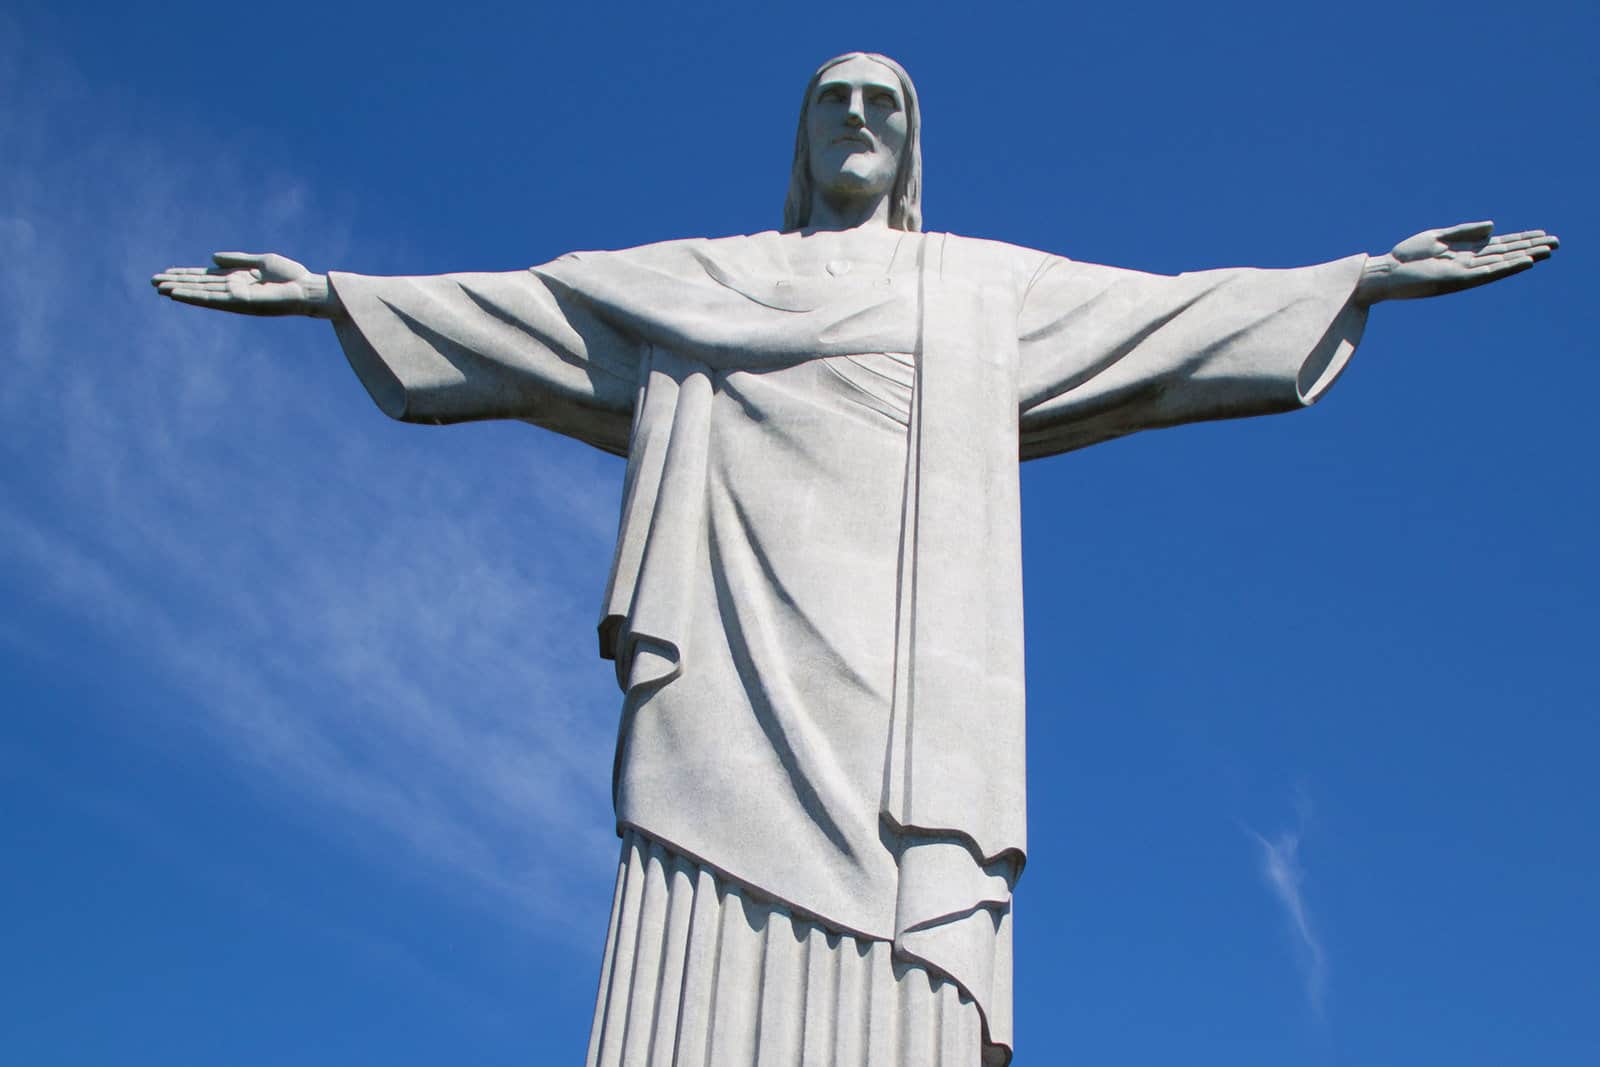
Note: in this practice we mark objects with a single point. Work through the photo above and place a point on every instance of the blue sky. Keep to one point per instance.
(305, 749)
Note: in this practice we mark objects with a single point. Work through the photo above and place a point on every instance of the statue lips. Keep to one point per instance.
(852, 144)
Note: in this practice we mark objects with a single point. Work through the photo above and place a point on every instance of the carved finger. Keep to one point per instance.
(1537, 247)
(194, 275)
(1501, 268)
(1533, 242)
(175, 273)
(1521, 235)
(191, 279)
(1493, 259)
(190, 294)
(200, 282)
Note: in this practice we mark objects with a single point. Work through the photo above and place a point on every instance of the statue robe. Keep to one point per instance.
(815, 606)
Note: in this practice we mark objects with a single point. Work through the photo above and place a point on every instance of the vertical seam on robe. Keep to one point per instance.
(912, 511)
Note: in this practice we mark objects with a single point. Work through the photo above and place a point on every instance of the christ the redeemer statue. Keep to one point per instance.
(815, 607)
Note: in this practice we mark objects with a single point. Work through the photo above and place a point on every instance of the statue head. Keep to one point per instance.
(860, 131)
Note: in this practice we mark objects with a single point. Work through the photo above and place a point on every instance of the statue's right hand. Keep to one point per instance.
(250, 284)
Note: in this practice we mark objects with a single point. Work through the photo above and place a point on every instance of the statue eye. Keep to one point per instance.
(886, 100)
(832, 95)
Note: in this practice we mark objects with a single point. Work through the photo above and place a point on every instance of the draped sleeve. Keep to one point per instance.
(1105, 352)
(456, 347)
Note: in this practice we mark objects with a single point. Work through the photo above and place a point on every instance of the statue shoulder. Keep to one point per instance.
(982, 258)
(682, 251)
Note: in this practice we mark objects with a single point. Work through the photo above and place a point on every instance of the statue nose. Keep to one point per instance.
(854, 120)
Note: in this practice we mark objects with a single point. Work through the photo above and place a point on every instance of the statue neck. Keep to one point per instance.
(848, 213)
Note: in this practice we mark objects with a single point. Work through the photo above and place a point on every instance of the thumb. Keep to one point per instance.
(240, 260)
(281, 268)
(1467, 231)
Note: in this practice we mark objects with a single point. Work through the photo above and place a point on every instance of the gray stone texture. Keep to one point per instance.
(815, 606)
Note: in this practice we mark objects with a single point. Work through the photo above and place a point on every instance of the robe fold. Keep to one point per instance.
(815, 605)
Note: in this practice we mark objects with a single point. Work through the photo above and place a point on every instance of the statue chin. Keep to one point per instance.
(857, 178)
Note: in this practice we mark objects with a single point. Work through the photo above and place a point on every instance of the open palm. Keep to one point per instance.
(1455, 258)
(248, 283)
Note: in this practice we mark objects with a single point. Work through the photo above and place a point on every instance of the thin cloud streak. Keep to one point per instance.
(391, 624)
(1284, 874)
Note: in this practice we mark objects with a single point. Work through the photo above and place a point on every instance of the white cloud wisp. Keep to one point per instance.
(1285, 876)
(391, 625)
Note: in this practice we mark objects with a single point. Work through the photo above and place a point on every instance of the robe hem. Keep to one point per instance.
(623, 827)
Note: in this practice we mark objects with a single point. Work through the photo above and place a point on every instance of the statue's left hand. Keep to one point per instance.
(1449, 260)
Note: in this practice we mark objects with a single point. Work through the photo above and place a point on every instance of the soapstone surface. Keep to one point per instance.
(815, 603)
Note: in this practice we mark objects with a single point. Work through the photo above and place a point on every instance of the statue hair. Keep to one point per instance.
(905, 198)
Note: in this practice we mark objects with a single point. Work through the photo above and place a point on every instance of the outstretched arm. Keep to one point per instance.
(251, 283)
(450, 347)
(1449, 260)
(1107, 352)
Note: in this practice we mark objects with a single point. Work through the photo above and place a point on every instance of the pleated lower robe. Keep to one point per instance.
(699, 972)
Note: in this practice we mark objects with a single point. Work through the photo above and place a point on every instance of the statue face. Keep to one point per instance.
(856, 129)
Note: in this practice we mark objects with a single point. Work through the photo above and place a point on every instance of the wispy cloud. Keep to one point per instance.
(1286, 877)
(391, 624)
